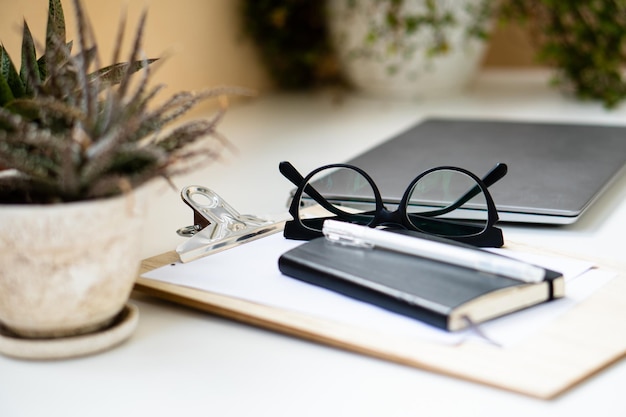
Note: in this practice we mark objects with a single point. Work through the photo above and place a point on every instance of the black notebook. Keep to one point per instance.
(443, 295)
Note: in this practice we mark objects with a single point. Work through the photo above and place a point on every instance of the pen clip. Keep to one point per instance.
(343, 237)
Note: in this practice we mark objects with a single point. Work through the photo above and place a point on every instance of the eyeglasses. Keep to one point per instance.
(446, 201)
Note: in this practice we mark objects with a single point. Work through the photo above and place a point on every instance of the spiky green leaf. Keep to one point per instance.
(29, 71)
(113, 74)
(55, 35)
(6, 95)
(9, 72)
(55, 30)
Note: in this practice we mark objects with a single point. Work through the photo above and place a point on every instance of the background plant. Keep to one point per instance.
(292, 39)
(72, 130)
(434, 17)
(584, 40)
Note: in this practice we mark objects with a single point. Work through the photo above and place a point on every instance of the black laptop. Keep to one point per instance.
(556, 170)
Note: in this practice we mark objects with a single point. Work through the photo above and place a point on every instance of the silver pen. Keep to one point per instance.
(363, 236)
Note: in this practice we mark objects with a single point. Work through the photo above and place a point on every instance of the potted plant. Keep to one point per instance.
(78, 143)
(409, 48)
(403, 48)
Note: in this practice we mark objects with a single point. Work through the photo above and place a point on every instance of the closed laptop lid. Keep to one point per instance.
(556, 170)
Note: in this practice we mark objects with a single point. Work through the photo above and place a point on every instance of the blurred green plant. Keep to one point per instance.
(585, 41)
(435, 18)
(292, 39)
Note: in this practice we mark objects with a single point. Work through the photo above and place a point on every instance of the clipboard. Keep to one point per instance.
(572, 348)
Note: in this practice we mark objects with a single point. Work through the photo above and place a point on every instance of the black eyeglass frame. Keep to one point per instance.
(487, 236)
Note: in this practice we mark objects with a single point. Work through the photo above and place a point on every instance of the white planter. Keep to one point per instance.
(379, 62)
(67, 269)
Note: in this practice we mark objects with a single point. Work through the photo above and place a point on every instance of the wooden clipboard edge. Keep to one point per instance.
(545, 366)
(415, 354)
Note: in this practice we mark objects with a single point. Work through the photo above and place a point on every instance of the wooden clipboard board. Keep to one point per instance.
(572, 348)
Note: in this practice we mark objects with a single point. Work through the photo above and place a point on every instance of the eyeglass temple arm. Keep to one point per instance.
(493, 176)
(496, 174)
(291, 173)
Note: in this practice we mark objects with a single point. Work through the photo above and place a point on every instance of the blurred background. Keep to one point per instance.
(204, 40)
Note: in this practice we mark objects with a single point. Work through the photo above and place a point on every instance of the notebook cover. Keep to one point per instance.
(419, 288)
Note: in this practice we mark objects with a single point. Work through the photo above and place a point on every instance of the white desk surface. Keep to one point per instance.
(186, 363)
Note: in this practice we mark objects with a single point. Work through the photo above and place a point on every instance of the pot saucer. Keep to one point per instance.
(67, 347)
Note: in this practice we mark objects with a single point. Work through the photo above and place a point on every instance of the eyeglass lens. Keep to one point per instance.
(333, 189)
(447, 202)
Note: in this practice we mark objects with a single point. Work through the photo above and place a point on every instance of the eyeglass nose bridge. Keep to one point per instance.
(385, 216)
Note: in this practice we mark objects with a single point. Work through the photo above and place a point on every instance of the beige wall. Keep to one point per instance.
(510, 46)
(201, 37)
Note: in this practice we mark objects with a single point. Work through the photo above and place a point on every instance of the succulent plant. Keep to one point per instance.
(72, 130)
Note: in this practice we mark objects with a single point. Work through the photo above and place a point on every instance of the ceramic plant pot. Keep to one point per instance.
(67, 269)
(402, 64)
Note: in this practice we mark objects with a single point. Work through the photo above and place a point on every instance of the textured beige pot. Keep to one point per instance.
(67, 269)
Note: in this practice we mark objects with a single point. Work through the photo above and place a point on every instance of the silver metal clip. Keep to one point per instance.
(218, 226)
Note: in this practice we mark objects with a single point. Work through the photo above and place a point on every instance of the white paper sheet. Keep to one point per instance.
(251, 272)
